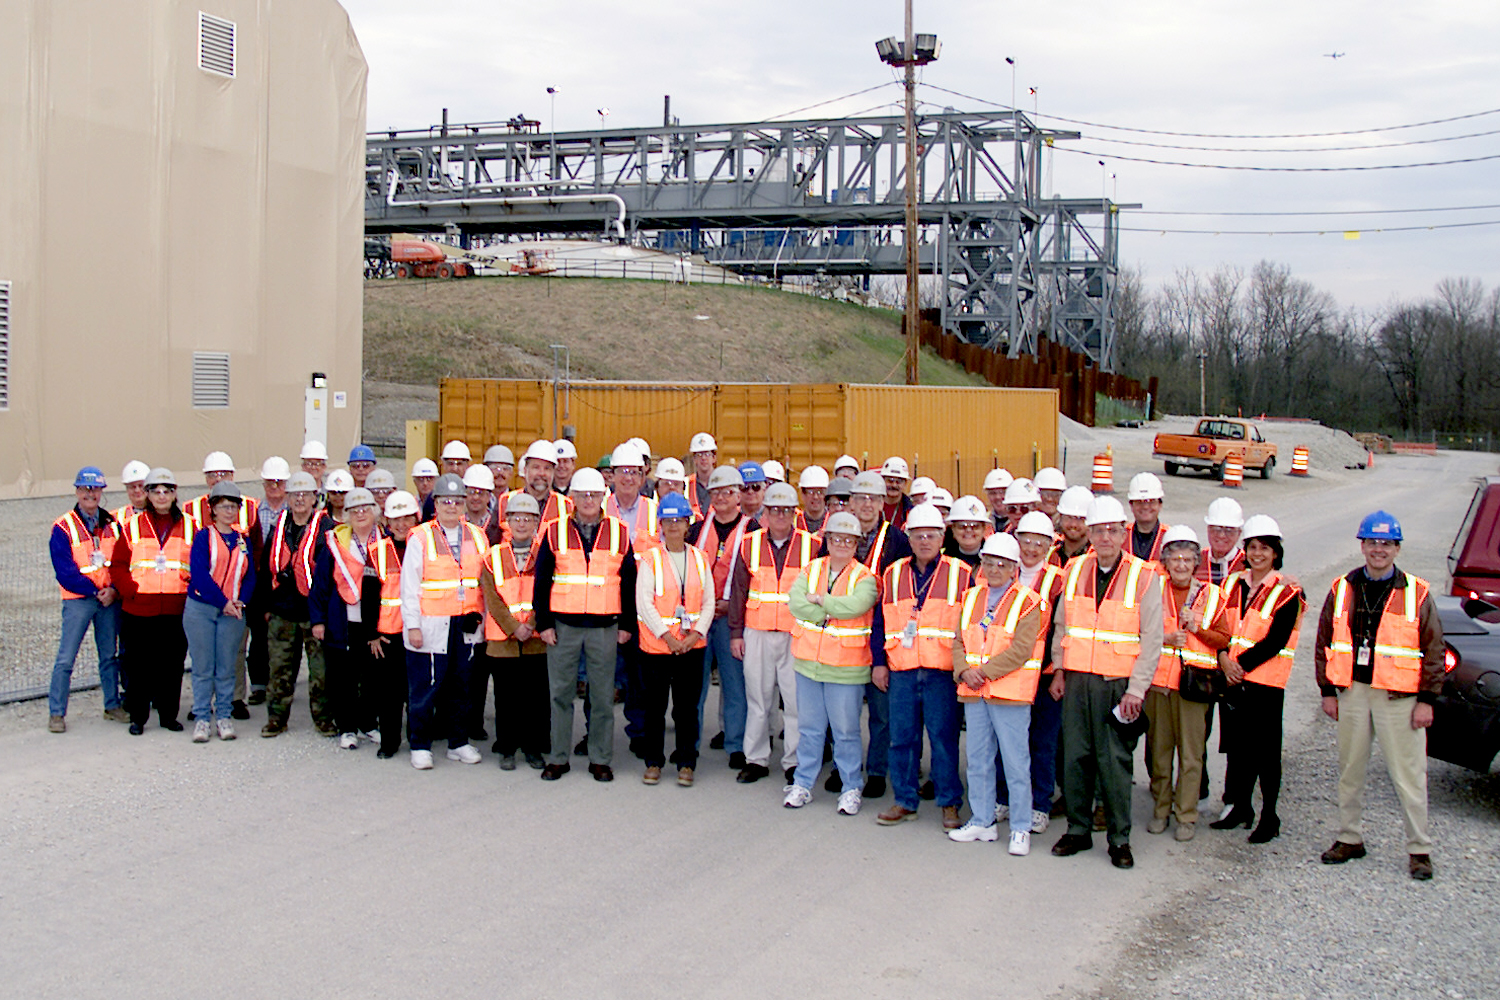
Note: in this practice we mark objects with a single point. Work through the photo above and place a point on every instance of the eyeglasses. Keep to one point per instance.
(625, 470)
(161, 489)
(451, 501)
(841, 540)
(967, 526)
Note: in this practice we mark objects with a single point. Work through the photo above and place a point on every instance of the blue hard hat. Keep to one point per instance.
(90, 475)
(751, 472)
(674, 505)
(1380, 525)
(361, 453)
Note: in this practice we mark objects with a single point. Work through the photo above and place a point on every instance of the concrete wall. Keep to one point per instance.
(150, 209)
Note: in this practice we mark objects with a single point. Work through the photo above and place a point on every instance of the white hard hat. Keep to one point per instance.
(939, 497)
(338, 481)
(1145, 486)
(401, 504)
(780, 495)
(380, 479)
(457, 450)
(565, 448)
(480, 477)
(774, 470)
(1021, 491)
(275, 468)
(1003, 546)
(671, 470)
(523, 503)
(1104, 510)
(424, 467)
(640, 445)
(1261, 526)
(922, 485)
(868, 484)
(136, 472)
(997, 479)
(301, 482)
(846, 462)
(1075, 501)
(814, 477)
(842, 523)
(968, 508)
(924, 515)
(499, 454)
(1050, 479)
(725, 475)
(542, 450)
(359, 497)
(315, 451)
(218, 461)
(587, 480)
(895, 467)
(703, 441)
(1179, 533)
(1225, 512)
(627, 455)
(1035, 523)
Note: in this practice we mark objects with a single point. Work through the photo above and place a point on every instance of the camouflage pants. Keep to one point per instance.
(285, 641)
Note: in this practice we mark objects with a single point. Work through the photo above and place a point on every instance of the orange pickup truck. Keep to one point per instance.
(1212, 441)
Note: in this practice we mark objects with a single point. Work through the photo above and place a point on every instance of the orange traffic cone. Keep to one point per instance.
(1234, 471)
(1299, 460)
(1104, 474)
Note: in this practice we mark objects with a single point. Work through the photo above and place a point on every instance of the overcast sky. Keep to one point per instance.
(1210, 67)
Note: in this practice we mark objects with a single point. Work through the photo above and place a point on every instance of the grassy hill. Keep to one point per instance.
(417, 332)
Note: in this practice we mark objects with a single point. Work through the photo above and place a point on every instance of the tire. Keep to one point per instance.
(1170, 467)
(402, 271)
(445, 271)
(1216, 472)
(1268, 468)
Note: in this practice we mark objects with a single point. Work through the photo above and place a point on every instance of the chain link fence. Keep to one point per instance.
(30, 613)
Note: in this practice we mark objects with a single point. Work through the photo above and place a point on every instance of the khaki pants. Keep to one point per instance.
(769, 668)
(1366, 711)
(1178, 729)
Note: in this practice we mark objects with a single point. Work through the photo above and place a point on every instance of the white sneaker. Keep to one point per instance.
(421, 760)
(1002, 813)
(972, 831)
(200, 731)
(796, 797)
(1224, 813)
(466, 753)
(1020, 843)
(226, 729)
(373, 736)
(1039, 821)
(850, 801)
(348, 741)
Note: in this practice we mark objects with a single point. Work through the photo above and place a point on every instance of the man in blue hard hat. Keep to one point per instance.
(753, 493)
(82, 543)
(361, 463)
(1379, 663)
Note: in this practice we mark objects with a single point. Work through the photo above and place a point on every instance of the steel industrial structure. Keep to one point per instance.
(821, 196)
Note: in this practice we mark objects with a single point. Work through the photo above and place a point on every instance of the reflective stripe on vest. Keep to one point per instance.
(1208, 600)
(983, 643)
(936, 621)
(1104, 636)
(767, 599)
(687, 594)
(91, 554)
(170, 575)
(587, 581)
(1254, 624)
(1396, 663)
(835, 642)
(515, 585)
(443, 578)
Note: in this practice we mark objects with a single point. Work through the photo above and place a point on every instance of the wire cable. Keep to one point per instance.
(1352, 211)
(832, 100)
(1293, 149)
(1305, 232)
(1278, 170)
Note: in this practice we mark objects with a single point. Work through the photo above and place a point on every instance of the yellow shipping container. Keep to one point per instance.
(955, 435)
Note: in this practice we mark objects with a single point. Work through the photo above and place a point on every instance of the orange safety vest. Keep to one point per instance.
(802, 524)
(985, 636)
(348, 575)
(227, 567)
(516, 586)
(667, 598)
(643, 540)
(1252, 624)
(1397, 663)
(872, 559)
(935, 625)
(1206, 575)
(156, 567)
(1161, 532)
(1055, 556)
(302, 560)
(556, 506)
(1104, 638)
(449, 587)
(1209, 602)
(587, 582)
(91, 553)
(388, 568)
(766, 606)
(122, 515)
(836, 642)
(699, 510)
(197, 512)
(722, 559)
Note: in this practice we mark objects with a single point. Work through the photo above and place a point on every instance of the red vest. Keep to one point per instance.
(722, 558)
(302, 560)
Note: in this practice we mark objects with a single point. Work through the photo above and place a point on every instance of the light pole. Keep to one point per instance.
(916, 50)
(552, 127)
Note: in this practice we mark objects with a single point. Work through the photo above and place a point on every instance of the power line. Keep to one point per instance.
(1279, 170)
(1293, 149)
(1352, 211)
(1305, 232)
(832, 100)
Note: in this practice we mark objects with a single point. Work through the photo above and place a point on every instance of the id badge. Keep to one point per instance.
(1362, 656)
(682, 617)
(161, 562)
(909, 634)
(96, 561)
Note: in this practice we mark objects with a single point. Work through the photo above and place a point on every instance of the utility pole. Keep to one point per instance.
(1202, 383)
(917, 50)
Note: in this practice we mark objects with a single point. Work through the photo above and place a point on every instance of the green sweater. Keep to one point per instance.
(866, 593)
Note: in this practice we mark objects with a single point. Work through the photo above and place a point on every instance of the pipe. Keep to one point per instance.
(543, 199)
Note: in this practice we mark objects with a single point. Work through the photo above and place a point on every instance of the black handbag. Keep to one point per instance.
(1204, 685)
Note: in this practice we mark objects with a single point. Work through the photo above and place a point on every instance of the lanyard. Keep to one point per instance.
(921, 595)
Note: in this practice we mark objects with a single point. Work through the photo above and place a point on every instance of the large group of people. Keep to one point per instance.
(848, 616)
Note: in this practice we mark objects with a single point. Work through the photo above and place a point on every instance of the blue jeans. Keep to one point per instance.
(214, 641)
(1046, 725)
(732, 703)
(991, 724)
(76, 616)
(878, 757)
(819, 706)
(918, 698)
(438, 693)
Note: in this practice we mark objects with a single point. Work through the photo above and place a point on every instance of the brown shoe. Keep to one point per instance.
(652, 775)
(1341, 852)
(273, 727)
(55, 724)
(1099, 820)
(116, 715)
(1420, 866)
(896, 814)
(950, 818)
(685, 777)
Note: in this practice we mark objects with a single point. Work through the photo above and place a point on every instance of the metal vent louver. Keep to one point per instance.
(210, 380)
(4, 345)
(215, 44)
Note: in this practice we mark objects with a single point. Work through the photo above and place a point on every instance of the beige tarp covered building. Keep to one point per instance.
(181, 200)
